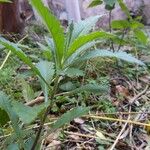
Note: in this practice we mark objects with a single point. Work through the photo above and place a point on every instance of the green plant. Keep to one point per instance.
(65, 52)
(130, 25)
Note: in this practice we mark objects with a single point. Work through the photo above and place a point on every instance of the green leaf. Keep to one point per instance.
(95, 3)
(54, 28)
(47, 71)
(4, 118)
(5, 104)
(67, 86)
(82, 28)
(120, 24)
(72, 59)
(110, 2)
(46, 51)
(82, 40)
(27, 91)
(13, 147)
(52, 48)
(124, 8)
(69, 116)
(92, 88)
(141, 36)
(21, 55)
(136, 24)
(73, 72)
(29, 143)
(105, 53)
(27, 114)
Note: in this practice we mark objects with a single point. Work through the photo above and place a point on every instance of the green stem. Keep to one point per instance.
(110, 30)
(46, 113)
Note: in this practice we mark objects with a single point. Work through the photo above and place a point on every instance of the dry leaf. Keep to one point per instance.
(74, 137)
(54, 145)
(78, 120)
(122, 91)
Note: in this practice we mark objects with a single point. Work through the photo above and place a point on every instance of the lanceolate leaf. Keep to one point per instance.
(120, 24)
(73, 72)
(91, 88)
(124, 8)
(27, 114)
(47, 71)
(21, 55)
(83, 27)
(53, 26)
(105, 53)
(136, 24)
(141, 36)
(69, 116)
(67, 86)
(80, 51)
(5, 104)
(95, 3)
(82, 40)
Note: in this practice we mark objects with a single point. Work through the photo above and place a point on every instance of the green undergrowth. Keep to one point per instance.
(72, 70)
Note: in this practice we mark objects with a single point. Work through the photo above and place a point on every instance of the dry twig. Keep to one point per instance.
(121, 132)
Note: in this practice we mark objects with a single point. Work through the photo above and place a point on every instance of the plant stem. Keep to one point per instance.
(123, 35)
(110, 30)
(46, 113)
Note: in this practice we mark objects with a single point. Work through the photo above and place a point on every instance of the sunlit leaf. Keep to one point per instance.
(105, 53)
(82, 40)
(54, 27)
(120, 24)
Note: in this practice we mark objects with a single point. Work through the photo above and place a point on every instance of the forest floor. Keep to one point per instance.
(120, 114)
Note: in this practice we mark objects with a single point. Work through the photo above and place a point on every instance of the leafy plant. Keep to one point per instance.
(65, 51)
(126, 26)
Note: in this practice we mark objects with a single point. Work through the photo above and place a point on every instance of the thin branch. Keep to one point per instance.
(117, 120)
(131, 101)
(110, 30)
(123, 35)
(5, 60)
(121, 132)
